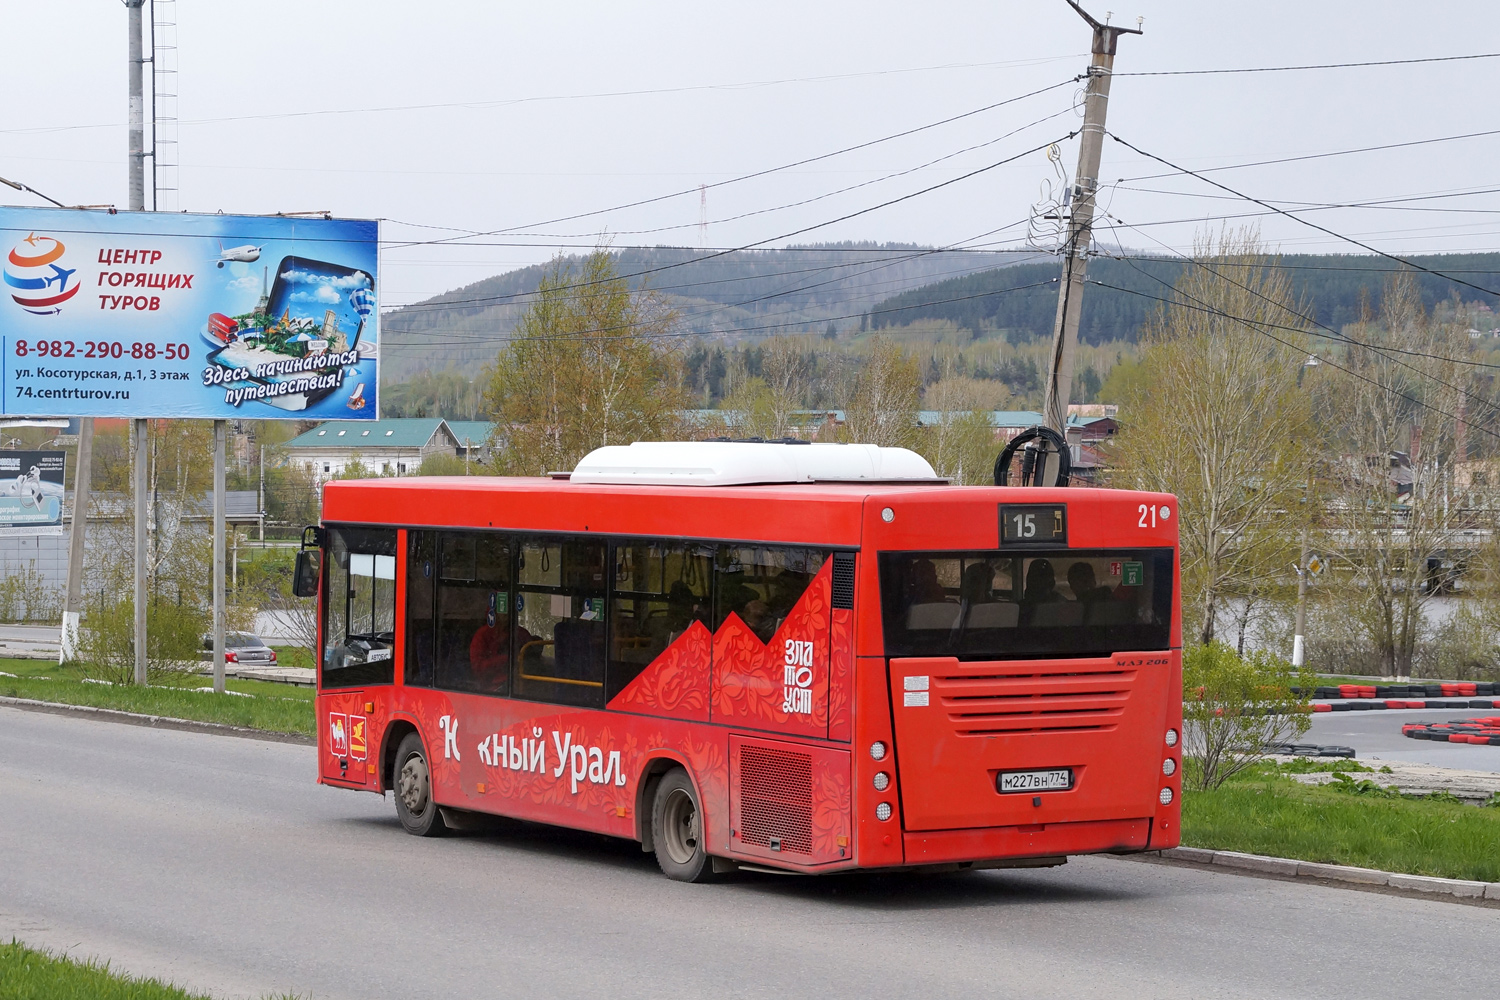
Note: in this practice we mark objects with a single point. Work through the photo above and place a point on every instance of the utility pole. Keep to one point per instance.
(1299, 640)
(137, 143)
(220, 433)
(73, 597)
(1080, 228)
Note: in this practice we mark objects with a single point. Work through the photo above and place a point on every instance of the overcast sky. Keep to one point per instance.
(527, 113)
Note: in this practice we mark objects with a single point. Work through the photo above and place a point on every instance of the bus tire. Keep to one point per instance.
(413, 785)
(677, 829)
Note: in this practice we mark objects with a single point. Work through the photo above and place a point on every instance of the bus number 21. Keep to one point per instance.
(1148, 512)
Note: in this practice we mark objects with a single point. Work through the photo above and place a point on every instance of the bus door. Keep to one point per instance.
(359, 632)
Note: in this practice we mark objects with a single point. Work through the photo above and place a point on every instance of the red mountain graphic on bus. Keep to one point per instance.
(731, 676)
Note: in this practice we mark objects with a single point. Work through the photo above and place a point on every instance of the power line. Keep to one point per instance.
(820, 197)
(1319, 156)
(761, 173)
(510, 102)
(1261, 327)
(1335, 334)
(771, 239)
(1296, 218)
(1291, 69)
(594, 333)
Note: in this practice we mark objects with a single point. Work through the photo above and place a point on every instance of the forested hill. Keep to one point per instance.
(1334, 287)
(746, 293)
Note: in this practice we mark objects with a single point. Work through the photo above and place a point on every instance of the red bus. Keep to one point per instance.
(802, 657)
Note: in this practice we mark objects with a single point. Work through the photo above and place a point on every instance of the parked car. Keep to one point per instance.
(241, 648)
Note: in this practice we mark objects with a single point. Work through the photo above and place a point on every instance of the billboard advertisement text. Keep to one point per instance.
(198, 316)
(31, 492)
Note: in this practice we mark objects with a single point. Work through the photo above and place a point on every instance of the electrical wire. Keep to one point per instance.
(509, 102)
(1295, 218)
(1320, 156)
(768, 170)
(1290, 69)
(595, 334)
(483, 337)
(1262, 328)
(820, 197)
(1378, 349)
(772, 239)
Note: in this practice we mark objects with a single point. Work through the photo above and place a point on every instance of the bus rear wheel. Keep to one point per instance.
(414, 803)
(677, 829)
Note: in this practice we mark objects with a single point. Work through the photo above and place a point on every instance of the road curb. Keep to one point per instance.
(1463, 889)
(153, 721)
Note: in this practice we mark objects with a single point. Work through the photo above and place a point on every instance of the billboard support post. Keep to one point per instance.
(141, 436)
(219, 435)
(73, 596)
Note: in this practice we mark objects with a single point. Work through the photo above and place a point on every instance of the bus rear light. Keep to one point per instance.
(1171, 737)
(1169, 767)
(877, 750)
(1165, 796)
(883, 811)
(882, 781)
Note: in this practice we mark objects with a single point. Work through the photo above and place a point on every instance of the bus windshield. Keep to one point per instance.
(994, 605)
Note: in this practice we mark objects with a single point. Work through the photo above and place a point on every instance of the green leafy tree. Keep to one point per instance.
(1236, 709)
(587, 367)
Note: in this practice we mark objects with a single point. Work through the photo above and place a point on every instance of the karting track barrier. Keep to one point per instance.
(1479, 732)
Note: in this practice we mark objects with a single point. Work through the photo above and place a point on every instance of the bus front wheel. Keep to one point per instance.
(677, 829)
(414, 803)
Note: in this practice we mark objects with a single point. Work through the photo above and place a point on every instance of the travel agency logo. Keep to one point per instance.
(35, 276)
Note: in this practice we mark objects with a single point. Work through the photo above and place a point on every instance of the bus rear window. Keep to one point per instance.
(992, 605)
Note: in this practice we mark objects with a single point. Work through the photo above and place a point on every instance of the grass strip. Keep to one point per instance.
(31, 974)
(277, 708)
(1264, 813)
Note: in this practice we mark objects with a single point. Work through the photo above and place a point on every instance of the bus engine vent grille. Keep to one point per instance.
(775, 798)
(843, 580)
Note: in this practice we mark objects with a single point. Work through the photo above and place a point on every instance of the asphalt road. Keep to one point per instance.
(1377, 735)
(218, 862)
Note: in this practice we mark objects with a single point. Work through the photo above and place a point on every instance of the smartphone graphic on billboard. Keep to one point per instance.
(315, 311)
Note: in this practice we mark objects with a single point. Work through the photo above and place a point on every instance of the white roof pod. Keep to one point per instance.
(745, 463)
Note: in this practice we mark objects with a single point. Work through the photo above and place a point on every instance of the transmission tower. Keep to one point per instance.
(164, 119)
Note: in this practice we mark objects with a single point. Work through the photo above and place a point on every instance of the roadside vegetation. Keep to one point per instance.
(34, 974)
(278, 708)
(1357, 821)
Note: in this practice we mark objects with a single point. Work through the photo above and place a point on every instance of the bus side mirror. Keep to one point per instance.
(309, 568)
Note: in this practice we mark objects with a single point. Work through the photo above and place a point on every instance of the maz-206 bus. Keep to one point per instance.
(800, 657)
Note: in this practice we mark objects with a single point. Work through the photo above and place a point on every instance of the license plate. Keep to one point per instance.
(1057, 779)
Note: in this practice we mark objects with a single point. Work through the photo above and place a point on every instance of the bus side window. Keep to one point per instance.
(359, 633)
(761, 584)
(421, 568)
(473, 621)
(660, 589)
(559, 614)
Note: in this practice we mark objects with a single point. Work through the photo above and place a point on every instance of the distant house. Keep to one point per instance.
(473, 437)
(393, 447)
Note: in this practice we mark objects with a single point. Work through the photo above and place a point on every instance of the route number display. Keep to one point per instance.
(1033, 524)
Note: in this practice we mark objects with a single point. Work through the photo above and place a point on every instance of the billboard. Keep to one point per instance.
(31, 492)
(136, 314)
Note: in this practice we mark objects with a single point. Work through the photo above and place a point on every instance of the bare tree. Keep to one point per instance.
(1390, 407)
(881, 395)
(960, 443)
(1217, 417)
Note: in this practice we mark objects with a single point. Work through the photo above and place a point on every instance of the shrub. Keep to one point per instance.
(174, 639)
(1235, 707)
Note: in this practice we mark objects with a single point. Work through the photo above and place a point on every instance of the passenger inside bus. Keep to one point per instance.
(1041, 583)
(1085, 585)
(489, 652)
